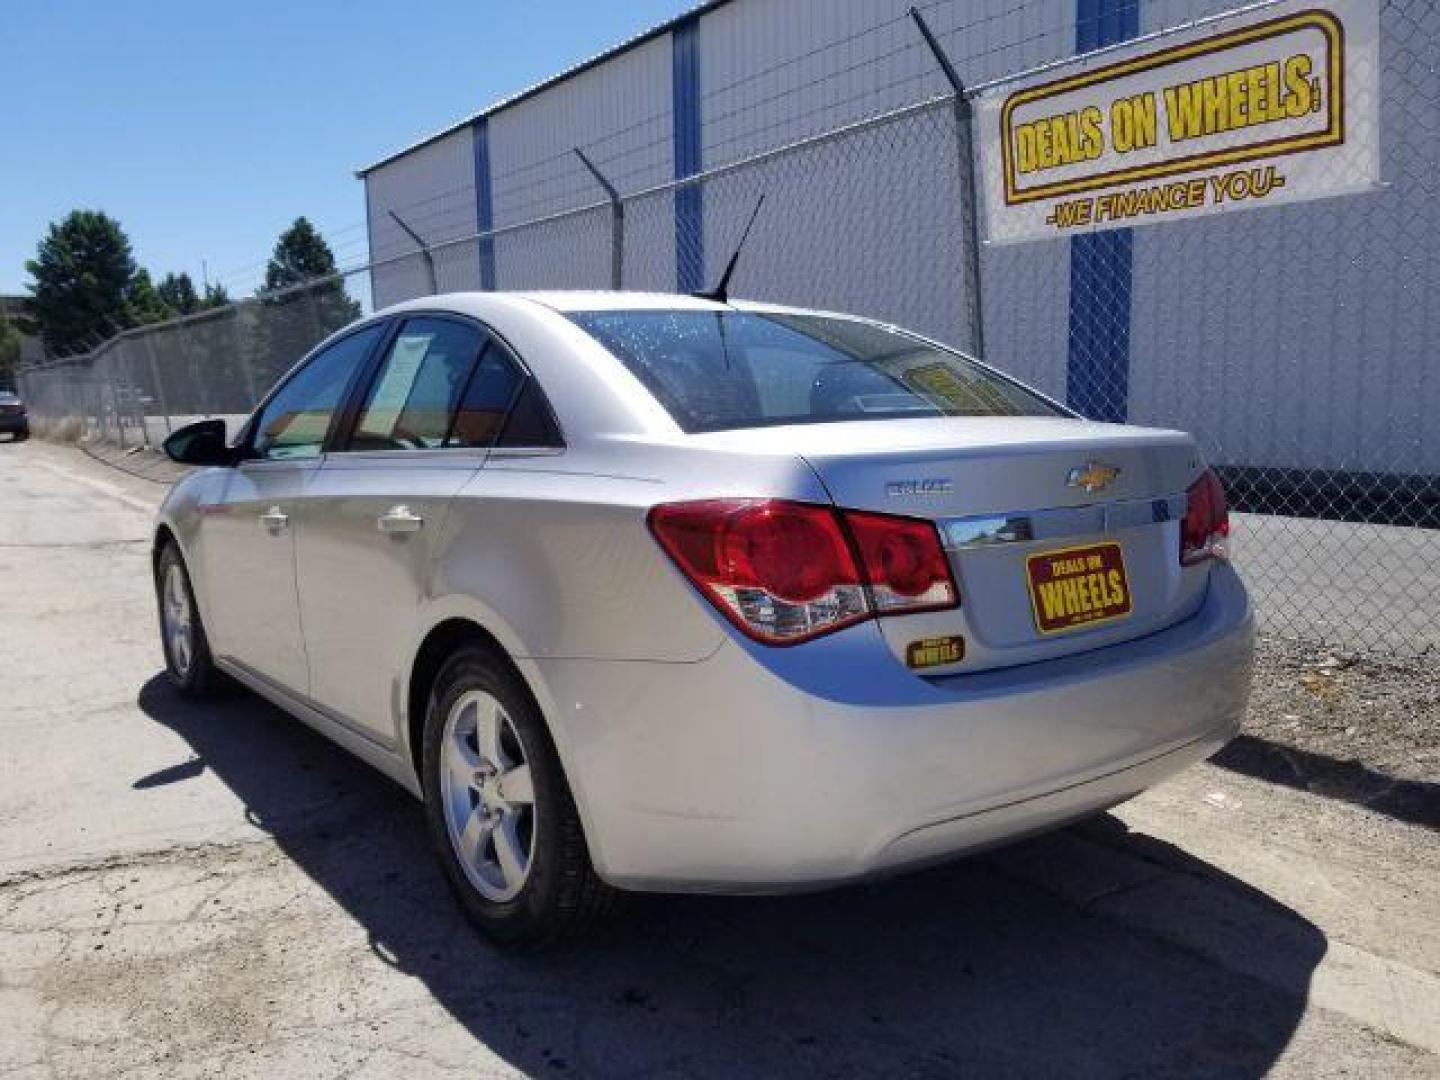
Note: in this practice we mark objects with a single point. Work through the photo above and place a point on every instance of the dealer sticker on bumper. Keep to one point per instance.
(1078, 587)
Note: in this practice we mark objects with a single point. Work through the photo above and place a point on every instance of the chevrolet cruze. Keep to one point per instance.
(644, 592)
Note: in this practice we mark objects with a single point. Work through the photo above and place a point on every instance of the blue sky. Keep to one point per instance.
(207, 128)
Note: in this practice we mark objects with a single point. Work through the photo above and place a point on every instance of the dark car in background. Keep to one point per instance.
(14, 419)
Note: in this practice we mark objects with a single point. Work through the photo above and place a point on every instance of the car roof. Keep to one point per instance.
(569, 301)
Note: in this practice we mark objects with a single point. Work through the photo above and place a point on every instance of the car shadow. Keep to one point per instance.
(1413, 801)
(980, 968)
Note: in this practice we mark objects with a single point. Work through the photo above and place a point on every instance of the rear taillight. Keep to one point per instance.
(904, 562)
(785, 572)
(1205, 532)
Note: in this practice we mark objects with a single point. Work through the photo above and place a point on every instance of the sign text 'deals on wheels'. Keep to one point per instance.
(1269, 106)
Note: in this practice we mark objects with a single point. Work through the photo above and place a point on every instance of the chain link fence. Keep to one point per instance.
(1302, 356)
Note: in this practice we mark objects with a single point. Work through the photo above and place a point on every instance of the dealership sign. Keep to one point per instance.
(1264, 107)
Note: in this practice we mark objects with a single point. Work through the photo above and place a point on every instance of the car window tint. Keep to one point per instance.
(294, 422)
(487, 399)
(415, 392)
(714, 370)
(530, 422)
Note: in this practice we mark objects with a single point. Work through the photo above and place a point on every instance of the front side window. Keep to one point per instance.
(716, 370)
(294, 422)
(414, 396)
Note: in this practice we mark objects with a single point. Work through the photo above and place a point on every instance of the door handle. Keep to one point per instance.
(274, 519)
(400, 519)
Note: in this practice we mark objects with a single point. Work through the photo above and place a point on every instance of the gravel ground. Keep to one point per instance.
(1360, 728)
(1380, 714)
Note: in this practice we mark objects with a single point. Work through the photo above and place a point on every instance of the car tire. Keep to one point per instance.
(188, 662)
(499, 809)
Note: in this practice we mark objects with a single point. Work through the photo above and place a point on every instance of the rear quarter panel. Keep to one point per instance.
(555, 549)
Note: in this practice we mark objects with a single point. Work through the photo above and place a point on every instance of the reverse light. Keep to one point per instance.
(785, 572)
(1205, 532)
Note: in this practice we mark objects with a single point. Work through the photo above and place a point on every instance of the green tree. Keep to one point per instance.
(81, 272)
(178, 294)
(303, 300)
(143, 301)
(215, 296)
(9, 353)
(301, 254)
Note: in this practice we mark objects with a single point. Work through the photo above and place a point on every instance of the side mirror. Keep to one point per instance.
(200, 443)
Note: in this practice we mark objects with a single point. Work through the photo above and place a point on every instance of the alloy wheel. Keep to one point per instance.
(488, 796)
(178, 620)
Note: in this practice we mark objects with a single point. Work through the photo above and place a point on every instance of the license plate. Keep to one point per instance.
(1079, 586)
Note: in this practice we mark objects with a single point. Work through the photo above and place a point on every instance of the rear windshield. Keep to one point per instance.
(714, 370)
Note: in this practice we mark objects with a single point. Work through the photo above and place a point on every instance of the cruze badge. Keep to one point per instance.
(1092, 476)
(930, 486)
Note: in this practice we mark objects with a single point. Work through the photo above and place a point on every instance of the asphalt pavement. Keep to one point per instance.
(213, 890)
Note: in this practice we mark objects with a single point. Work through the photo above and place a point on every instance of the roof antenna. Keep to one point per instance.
(720, 294)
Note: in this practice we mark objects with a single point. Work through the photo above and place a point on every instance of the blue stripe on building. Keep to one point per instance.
(1097, 377)
(484, 203)
(689, 205)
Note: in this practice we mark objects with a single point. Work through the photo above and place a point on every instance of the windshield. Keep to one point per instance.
(714, 370)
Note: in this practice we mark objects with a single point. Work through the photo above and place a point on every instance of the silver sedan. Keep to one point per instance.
(642, 592)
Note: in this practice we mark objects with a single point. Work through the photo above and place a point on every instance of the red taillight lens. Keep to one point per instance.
(792, 552)
(1205, 532)
(903, 561)
(786, 571)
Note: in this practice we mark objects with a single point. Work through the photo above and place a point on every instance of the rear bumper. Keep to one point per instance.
(15, 422)
(761, 770)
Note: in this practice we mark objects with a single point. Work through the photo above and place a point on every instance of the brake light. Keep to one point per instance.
(785, 572)
(1205, 532)
(904, 562)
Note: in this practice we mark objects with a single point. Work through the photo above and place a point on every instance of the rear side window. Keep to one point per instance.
(487, 400)
(715, 370)
(416, 391)
(530, 422)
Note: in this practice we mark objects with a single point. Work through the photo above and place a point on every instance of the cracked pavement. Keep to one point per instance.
(216, 891)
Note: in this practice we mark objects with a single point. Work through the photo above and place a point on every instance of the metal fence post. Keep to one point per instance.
(158, 384)
(312, 304)
(424, 251)
(98, 383)
(115, 399)
(201, 388)
(617, 222)
(970, 203)
(243, 358)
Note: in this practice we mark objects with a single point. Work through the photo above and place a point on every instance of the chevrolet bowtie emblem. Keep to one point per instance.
(1092, 476)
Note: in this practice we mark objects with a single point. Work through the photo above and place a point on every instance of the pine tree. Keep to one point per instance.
(215, 296)
(143, 302)
(177, 292)
(303, 299)
(82, 271)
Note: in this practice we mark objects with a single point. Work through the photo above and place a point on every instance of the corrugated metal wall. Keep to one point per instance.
(777, 72)
(619, 113)
(1244, 324)
(1301, 336)
(433, 191)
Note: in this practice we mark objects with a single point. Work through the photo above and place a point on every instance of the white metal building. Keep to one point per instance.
(1301, 337)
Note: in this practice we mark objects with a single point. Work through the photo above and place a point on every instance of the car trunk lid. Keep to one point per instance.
(1063, 535)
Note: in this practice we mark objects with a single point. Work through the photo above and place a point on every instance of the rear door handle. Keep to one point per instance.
(400, 519)
(274, 519)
